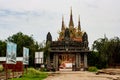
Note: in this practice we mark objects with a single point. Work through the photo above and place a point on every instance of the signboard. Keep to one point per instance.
(25, 56)
(11, 53)
(17, 59)
(38, 57)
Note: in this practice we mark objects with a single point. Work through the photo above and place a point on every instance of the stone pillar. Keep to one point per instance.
(77, 61)
(55, 61)
(48, 61)
(80, 60)
(85, 61)
(57, 68)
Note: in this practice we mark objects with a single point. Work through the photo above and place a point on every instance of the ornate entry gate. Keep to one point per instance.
(71, 48)
(74, 61)
(66, 60)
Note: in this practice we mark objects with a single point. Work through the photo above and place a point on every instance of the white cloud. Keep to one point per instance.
(37, 17)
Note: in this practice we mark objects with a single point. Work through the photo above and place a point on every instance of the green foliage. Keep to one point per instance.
(43, 69)
(23, 40)
(2, 48)
(46, 51)
(95, 60)
(92, 69)
(105, 53)
(33, 74)
(36, 73)
(1, 68)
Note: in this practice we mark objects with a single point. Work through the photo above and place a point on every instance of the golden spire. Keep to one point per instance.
(71, 24)
(63, 26)
(79, 26)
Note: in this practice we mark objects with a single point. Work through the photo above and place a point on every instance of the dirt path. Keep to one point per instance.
(80, 75)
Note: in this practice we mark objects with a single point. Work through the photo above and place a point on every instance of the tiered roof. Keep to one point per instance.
(75, 32)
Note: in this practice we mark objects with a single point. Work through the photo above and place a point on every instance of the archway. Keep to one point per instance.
(66, 61)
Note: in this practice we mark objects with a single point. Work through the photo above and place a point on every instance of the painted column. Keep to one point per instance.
(85, 60)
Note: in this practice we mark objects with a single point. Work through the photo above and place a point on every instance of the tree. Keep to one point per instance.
(114, 49)
(108, 51)
(46, 50)
(2, 48)
(23, 40)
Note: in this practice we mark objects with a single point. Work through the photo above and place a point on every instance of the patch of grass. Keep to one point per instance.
(92, 69)
(1, 68)
(32, 74)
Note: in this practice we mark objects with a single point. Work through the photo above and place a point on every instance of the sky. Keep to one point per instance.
(38, 17)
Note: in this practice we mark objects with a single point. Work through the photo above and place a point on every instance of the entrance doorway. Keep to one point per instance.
(66, 61)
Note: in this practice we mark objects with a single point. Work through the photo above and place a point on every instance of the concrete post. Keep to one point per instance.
(80, 60)
(55, 61)
(85, 61)
(48, 61)
(77, 61)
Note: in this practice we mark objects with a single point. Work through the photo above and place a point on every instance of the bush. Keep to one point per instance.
(34, 71)
(1, 68)
(32, 74)
(43, 69)
(92, 69)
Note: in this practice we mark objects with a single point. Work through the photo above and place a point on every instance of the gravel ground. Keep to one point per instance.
(80, 75)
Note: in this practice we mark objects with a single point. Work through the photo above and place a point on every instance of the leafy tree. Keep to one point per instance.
(114, 49)
(23, 40)
(2, 48)
(107, 52)
(46, 50)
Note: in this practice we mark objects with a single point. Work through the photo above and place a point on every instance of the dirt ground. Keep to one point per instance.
(10, 75)
(81, 75)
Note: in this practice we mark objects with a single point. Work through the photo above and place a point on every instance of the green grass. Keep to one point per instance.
(32, 74)
(1, 68)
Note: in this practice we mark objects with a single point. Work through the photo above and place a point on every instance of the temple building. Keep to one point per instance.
(71, 48)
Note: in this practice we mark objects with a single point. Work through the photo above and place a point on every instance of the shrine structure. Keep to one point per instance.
(70, 50)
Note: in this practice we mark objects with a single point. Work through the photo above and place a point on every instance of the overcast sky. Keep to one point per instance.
(38, 17)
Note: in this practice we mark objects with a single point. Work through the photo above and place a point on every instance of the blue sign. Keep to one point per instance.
(25, 56)
(11, 53)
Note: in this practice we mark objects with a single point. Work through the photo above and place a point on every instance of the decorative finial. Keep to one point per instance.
(79, 18)
(71, 10)
(63, 27)
(62, 18)
(71, 24)
(79, 26)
